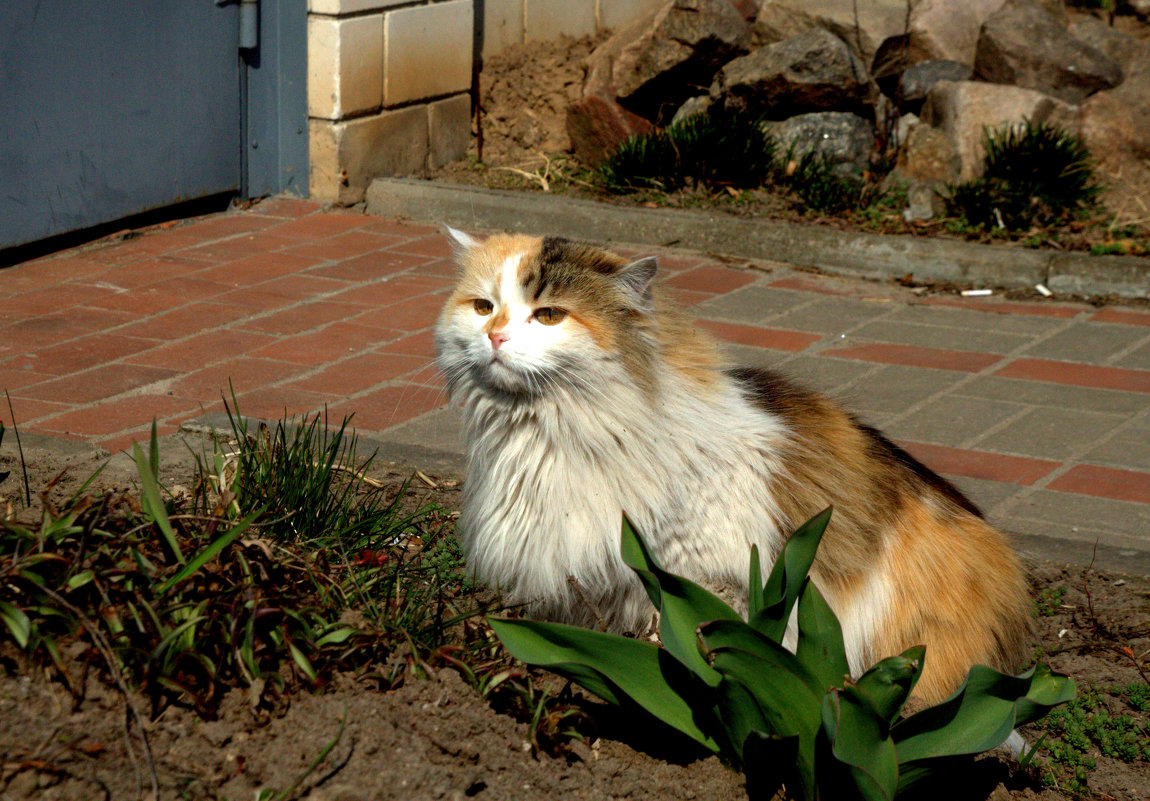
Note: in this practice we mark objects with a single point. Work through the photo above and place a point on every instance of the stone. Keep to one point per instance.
(1115, 123)
(902, 128)
(847, 139)
(915, 83)
(597, 125)
(649, 69)
(961, 110)
(927, 157)
(814, 71)
(1023, 44)
(922, 202)
(1139, 8)
(676, 53)
(935, 30)
(863, 26)
(696, 105)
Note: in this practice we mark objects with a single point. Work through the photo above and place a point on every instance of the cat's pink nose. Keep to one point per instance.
(497, 338)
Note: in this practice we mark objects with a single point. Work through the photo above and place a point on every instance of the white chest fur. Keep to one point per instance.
(548, 483)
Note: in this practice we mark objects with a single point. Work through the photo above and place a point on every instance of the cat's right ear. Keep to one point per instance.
(461, 243)
(635, 281)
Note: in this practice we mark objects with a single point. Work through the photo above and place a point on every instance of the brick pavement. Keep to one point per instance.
(1041, 411)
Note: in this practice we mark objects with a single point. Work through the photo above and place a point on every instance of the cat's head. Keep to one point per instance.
(534, 315)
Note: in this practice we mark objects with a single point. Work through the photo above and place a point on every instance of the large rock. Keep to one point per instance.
(927, 157)
(963, 109)
(935, 30)
(916, 82)
(1115, 123)
(678, 51)
(814, 71)
(1023, 44)
(597, 125)
(863, 25)
(650, 68)
(846, 139)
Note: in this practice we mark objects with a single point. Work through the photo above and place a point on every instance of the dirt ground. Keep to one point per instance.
(438, 739)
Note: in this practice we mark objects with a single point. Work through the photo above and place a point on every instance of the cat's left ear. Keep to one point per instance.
(461, 243)
(635, 281)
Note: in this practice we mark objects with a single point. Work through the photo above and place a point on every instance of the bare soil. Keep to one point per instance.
(436, 738)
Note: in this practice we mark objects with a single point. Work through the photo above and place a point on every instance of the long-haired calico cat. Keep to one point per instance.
(585, 395)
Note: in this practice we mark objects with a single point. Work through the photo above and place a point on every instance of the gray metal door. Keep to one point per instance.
(108, 109)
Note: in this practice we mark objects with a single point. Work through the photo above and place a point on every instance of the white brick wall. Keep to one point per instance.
(616, 14)
(339, 7)
(427, 51)
(389, 80)
(345, 65)
(502, 25)
(545, 20)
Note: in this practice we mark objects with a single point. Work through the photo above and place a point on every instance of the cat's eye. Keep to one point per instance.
(549, 316)
(483, 306)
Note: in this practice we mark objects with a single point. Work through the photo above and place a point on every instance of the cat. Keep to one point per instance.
(585, 394)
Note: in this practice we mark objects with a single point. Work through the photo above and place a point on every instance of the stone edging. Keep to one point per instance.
(854, 253)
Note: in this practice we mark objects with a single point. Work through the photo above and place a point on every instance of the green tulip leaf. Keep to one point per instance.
(619, 670)
(682, 604)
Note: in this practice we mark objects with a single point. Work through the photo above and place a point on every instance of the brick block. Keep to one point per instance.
(614, 15)
(427, 51)
(449, 129)
(502, 25)
(546, 20)
(345, 65)
(341, 7)
(346, 156)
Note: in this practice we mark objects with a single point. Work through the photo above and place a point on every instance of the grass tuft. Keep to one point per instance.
(1034, 174)
(237, 586)
(716, 150)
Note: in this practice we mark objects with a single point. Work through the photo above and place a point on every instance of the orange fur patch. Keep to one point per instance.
(961, 593)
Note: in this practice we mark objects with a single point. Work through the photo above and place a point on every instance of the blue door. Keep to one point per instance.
(111, 109)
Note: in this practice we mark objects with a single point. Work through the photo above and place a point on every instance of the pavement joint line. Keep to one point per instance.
(1072, 461)
(231, 326)
(1112, 360)
(989, 370)
(1023, 409)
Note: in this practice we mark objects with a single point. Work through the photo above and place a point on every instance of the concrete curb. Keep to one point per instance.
(832, 251)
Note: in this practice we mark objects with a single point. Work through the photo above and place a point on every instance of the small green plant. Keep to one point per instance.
(186, 603)
(716, 150)
(1137, 695)
(820, 188)
(308, 479)
(1049, 600)
(1086, 726)
(1033, 174)
(785, 718)
(1108, 249)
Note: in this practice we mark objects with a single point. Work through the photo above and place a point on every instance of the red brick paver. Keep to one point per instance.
(716, 280)
(915, 356)
(981, 464)
(1079, 375)
(1105, 482)
(1124, 316)
(759, 337)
